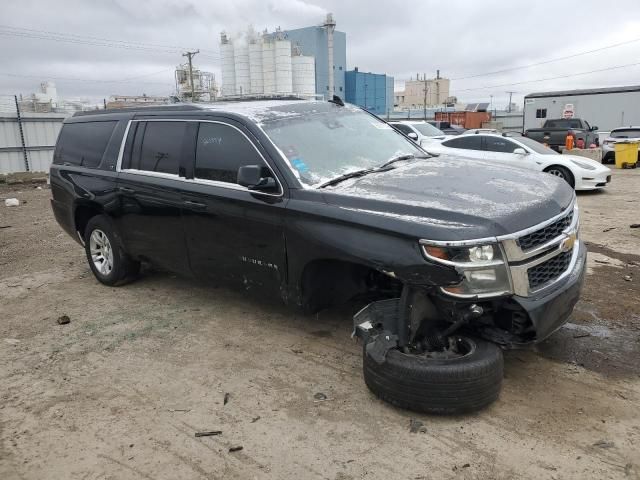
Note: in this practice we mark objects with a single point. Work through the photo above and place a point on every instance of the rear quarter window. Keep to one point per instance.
(83, 143)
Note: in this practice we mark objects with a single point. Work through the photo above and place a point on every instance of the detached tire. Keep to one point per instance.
(108, 262)
(442, 386)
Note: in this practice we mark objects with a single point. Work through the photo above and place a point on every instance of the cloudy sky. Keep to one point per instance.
(94, 49)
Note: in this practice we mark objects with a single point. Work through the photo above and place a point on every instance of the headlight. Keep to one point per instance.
(482, 268)
(584, 165)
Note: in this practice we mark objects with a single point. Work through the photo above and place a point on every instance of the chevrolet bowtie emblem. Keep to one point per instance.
(568, 243)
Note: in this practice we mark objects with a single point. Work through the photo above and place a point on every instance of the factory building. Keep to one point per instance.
(304, 61)
(421, 91)
(372, 91)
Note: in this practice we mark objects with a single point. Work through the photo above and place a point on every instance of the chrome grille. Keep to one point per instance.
(551, 231)
(549, 270)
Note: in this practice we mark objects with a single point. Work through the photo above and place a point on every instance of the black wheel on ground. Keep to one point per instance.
(562, 172)
(108, 262)
(464, 378)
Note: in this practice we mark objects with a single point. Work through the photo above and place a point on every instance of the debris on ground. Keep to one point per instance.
(210, 433)
(5, 226)
(416, 426)
(178, 410)
(12, 341)
(255, 419)
(321, 397)
(628, 278)
(603, 444)
(582, 335)
(237, 448)
(63, 320)
(12, 202)
(227, 396)
(608, 229)
(634, 225)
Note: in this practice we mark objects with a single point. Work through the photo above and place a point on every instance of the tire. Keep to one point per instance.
(108, 262)
(562, 172)
(441, 386)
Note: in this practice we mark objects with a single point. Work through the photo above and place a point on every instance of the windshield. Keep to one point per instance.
(327, 140)
(626, 133)
(427, 129)
(536, 146)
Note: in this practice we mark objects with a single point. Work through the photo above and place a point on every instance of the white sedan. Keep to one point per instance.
(579, 172)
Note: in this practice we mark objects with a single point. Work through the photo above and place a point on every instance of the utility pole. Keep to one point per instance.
(510, 95)
(425, 96)
(189, 56)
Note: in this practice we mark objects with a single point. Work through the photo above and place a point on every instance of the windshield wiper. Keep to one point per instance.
(365, 171)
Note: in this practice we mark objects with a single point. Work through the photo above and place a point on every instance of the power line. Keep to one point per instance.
(548, 78)
(8, 30)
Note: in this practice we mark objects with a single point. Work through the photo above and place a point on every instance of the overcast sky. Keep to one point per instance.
(462, 39)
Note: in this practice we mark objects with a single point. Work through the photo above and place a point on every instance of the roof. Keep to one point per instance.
(584, 91)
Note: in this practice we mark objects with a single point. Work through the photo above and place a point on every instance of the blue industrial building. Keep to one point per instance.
(372, 91)
(313, 41)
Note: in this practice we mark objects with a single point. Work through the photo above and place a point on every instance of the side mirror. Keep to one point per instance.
(594, 128)
(250, 176)
(520, 151)
(413, 136)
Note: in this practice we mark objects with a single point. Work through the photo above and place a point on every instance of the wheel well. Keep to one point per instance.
(327, 282)
(83, 214)
(573, 180)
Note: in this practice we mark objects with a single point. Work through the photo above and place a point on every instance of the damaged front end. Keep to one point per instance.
(513, 290)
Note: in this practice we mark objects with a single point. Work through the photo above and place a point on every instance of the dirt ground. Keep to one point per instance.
(119, 392)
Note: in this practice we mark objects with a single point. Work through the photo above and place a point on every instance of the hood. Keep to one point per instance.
(452, 198)
(588, 161)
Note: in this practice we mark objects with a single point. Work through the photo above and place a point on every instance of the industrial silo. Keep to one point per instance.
(255, 66)
(228, 66)
(268, 65)
(241, 62)
(284, 81)
(303, 74)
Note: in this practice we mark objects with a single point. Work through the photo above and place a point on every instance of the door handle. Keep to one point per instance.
(126, 190)
(195, 205)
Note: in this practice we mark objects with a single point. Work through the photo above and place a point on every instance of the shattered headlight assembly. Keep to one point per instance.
(482, 267)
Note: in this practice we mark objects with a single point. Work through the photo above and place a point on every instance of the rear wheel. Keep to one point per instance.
(562, 172)
(108, 262)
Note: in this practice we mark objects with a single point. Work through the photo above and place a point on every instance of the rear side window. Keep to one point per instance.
(499, 144)
(466, 142)
(221, 150)
(83, 144)
(157, 147)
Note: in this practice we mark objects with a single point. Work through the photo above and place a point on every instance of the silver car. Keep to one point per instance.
(608, 149)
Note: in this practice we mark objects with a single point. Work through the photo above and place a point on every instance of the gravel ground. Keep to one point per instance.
(120, 391)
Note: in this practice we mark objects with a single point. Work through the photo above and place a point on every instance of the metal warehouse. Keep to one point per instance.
(373, 91)
(608, 108)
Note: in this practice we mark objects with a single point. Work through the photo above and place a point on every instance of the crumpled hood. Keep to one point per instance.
(452, 198)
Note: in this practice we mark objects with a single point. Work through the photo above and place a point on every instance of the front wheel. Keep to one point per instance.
(464, 377)
(562, 172)
(108, 262)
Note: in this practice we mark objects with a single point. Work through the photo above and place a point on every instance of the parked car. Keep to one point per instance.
(446, 127)
(554, 132)
(320, 202)
(608, 145)
(420, 132)
(579, 172)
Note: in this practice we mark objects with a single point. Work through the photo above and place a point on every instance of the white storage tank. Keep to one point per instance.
(284, 81)
(255, 67)
(268, 66)
(241, 61)
(228, 66)
(303, 74)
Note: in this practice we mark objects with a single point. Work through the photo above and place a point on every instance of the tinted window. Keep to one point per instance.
(221, 150)
(563, 123)
(467, 142)
(625, 133)
(83, 143)
(499, 144)
(157, 146)
(403, 128)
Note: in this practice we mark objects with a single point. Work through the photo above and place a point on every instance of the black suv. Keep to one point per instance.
(318, 202)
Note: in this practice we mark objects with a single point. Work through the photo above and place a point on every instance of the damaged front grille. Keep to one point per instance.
(551, 231)
(549, 270)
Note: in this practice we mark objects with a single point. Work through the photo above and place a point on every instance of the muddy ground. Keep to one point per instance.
(119, 392)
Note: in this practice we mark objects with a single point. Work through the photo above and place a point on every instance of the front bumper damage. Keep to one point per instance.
(512, 321)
